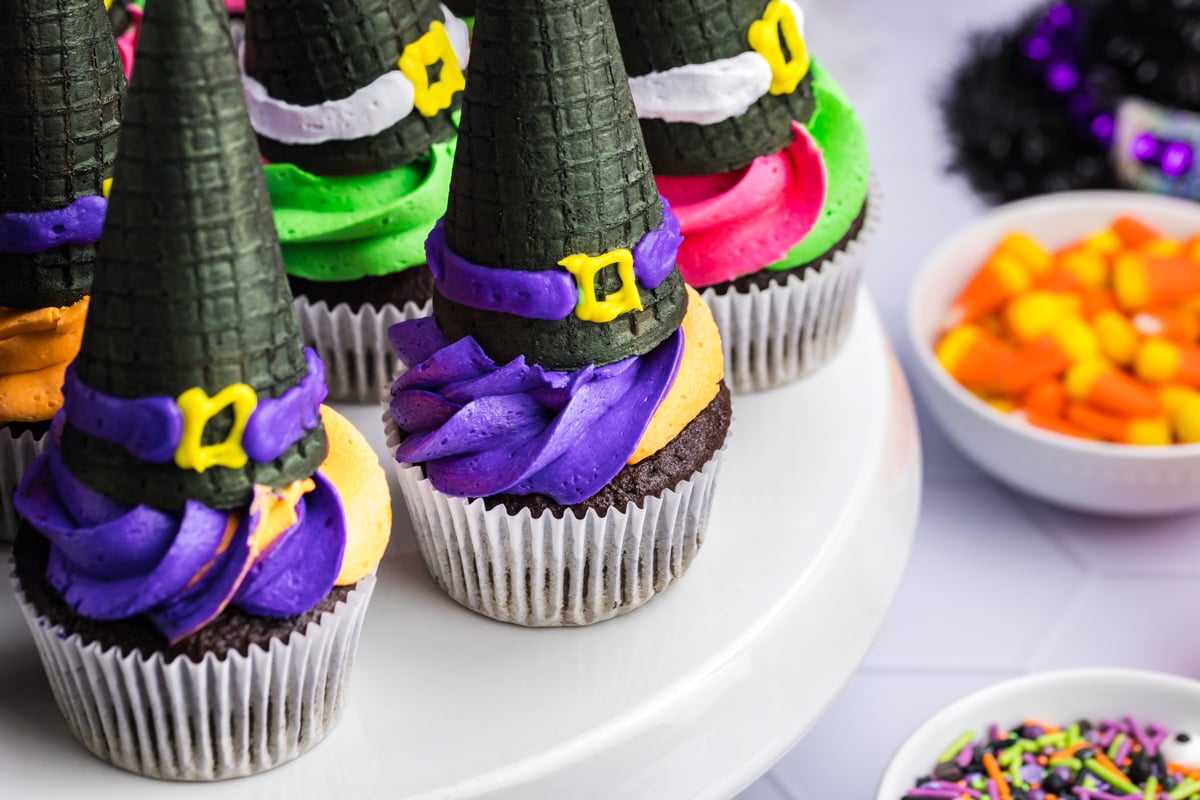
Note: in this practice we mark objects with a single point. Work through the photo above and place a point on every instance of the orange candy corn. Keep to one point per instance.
(1093, 301)
(1122, 430)
(1056, 424)
(1098, 383)
(1049, 355)
(976, 358)
(1034, 313)
(1183, 410)
(1161, 361)
(1087, 267)
(1001, 278)
(1046, 399)
(1176, 324)
(1133, 232)
(1140, 281)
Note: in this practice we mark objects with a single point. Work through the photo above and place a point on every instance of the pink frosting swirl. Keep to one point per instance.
(738, 222)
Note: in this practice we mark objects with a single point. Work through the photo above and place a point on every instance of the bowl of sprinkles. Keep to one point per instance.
(1057, 342)
(1095, 734)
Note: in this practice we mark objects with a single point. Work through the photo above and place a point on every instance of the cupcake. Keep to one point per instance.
(354, 103)
(765, 164)
(197, 542)
(561, 422)
(59, 115)
(1081, 95)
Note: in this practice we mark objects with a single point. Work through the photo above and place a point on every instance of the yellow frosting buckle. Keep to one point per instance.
(198, 409)
(769, 34)
(585, 268)
(433, 46)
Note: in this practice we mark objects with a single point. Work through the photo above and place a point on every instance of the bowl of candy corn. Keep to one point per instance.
(1091, 734)
(1057, 342)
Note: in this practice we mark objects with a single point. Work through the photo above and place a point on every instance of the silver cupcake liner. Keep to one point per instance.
(547, 571)
(16, 454)
(207, 721)
(789, 330)
(359, 361)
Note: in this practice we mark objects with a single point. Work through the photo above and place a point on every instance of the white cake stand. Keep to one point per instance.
(695, 695)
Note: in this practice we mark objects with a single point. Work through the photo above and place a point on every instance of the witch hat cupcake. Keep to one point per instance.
(200, 532)
(355, 105)
(1081, 95)
(765, 164)
(563, 412)
(61, 90)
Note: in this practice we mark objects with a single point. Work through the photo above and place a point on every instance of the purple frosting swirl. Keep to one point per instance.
(549, 294)
(482, 429)
(151, 427)
(26, 233)
(112, 561)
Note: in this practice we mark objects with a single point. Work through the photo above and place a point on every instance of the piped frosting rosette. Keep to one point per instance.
(765, 164)
(192, 472)
(564, 405)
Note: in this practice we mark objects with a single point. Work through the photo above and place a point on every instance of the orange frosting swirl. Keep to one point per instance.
(36, 345)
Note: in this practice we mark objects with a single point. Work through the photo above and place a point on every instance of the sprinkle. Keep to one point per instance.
(964, 758)
(1115, 747)
(1186, 789)
(1151, 789)
(993, 771)
(1138, 733)
(1113, 778)
(951, 752)
(993, 793)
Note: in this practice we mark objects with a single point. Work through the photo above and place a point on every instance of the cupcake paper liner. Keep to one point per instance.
(206, 721)
(789, 330)
(550, 572)
(360, 364)
(16, 454)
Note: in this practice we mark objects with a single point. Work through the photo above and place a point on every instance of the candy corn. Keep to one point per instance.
(1176, 324)
(1099, 339)
(1122, 430)
(1141, 281)
(1160, 361)
(976, 358)
(1100, 384)
(1117, 336)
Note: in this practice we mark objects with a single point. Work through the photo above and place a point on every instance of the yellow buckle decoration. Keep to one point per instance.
(198, 409)
(433, 46)
(585, 268)
(769, 34)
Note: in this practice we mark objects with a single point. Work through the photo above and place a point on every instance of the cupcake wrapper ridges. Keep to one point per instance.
(789, 330)
(16, 454)
(360, 363)
(552, 572)
(207, 721)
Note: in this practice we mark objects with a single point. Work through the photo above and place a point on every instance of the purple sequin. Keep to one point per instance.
(27, 233)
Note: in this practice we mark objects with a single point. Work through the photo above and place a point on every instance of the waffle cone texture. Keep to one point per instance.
(61, 90)
(657, 36)
(190, 288)
(306, 52)
(551, 163)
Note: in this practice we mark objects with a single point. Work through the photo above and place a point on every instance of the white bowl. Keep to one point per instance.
(1089, 476)
(1050, 697)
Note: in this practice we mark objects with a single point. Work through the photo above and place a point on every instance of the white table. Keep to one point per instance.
(980, 548)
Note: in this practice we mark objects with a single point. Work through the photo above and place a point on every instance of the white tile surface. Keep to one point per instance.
(1088, 590)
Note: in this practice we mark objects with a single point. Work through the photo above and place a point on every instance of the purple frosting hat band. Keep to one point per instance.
(152, 428)
(540, 294)
(27, 233)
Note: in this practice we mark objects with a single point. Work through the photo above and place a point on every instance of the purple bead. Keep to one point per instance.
(1062, 77)
(1032, 773)
(1060, 16)
(1145, 147)
(1177, 159)
(1103, 126)
(1037, 48)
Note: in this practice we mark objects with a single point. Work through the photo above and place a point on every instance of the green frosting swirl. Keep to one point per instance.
(344, 229)
(836, 128)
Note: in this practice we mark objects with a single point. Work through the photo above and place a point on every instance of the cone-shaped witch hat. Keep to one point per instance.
(1081, 94)
(551, 168)
(354, 59)
(191, 328)
(61, 88)
(717, 38)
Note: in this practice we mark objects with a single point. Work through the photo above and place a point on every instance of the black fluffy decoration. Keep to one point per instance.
(1013, 137)
(190, 289)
